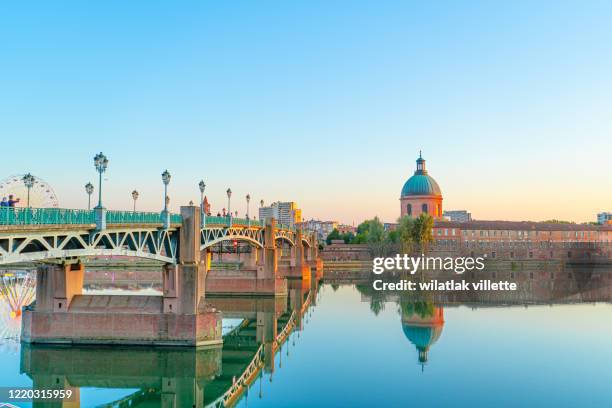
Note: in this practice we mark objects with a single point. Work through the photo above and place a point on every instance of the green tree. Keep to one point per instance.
(348, 237)
(423, 231)
(405, 231)
(393, 236)
(335, 234)
(370, 232)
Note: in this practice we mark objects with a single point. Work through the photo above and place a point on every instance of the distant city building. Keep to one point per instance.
(346, 229)
(604, 218)
(421, 194)
(457, 215)
(390, 226)
(321, 228)
(286, 213)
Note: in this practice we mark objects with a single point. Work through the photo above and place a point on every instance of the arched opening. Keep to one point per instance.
(409, 209)
(424, 209)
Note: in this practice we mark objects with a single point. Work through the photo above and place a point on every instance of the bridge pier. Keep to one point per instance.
(62, 314)
(262, 280)
(57, 285)
(298, 267)
(313, 260)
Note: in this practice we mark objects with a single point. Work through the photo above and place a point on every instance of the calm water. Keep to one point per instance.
(353, 351)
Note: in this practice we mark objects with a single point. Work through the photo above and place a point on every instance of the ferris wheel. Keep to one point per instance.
(41, 193)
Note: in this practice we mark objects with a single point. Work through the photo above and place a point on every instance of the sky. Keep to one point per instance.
(323, 103)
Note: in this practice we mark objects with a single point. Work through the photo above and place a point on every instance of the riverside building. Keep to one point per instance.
(462, 236)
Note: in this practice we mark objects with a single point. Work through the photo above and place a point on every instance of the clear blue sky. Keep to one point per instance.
(323, 102)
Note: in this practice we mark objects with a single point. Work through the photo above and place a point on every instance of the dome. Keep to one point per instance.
(421, 183)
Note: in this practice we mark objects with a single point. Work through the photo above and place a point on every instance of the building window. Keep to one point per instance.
(493, 254)
(511, 254)
(569, 254)
(409, 209)
(424, 208)
(530, 254)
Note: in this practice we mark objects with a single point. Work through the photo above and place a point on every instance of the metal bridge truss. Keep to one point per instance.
(154, 243)
(213, 235)
(53, 245)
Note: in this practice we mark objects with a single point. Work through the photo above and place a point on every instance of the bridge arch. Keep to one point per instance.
(284, 238)
(36, 246)
(241, 238)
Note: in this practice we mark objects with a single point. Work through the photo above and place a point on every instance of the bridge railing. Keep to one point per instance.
(132, 217)
(64, 216)
(45, 216)
(225, 221)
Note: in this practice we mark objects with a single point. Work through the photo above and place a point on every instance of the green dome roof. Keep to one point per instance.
(421, 183)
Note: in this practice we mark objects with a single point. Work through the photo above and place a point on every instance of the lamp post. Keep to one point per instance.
(101, 163)
(248, 200)
(229, 211)
(135, 197)
(202, 186)
(165, 215)
(28, 180)
(89, 189)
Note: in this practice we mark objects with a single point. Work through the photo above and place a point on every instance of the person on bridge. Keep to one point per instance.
(4, 202)
(12, 202)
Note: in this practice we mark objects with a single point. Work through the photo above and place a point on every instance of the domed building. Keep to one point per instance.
(423, 331)
(421, 194)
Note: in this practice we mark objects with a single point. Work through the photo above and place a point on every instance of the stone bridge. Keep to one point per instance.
(59, 241)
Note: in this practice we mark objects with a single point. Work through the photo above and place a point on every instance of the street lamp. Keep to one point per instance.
(135, 197)
(28, 180)
(101, 163)
(202, 186)
(248, 199)
(89, 189)
(166, 180)
(229, 197)
(165, 215)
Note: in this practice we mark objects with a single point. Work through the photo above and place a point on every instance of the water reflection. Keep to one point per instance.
(422, 312)
(178, 377)
(442, 333)
(422, 323)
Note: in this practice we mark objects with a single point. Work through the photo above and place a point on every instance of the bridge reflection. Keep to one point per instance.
(179, 377)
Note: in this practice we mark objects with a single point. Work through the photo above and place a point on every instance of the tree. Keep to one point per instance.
(423, 231)
(405, 232)
(348, 237)
(335, 234)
